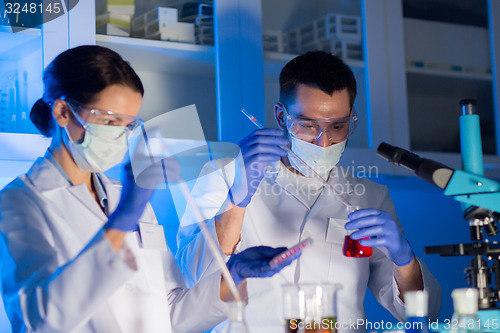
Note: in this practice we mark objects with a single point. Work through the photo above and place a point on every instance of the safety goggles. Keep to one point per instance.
(93, 116)
(311, 129)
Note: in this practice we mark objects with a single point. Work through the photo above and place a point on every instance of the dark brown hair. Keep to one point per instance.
(316, 69)
(80, 74)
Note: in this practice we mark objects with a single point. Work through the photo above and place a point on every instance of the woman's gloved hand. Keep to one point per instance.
(137, 191)
(382, 230)
(254, 262)
(257, 149)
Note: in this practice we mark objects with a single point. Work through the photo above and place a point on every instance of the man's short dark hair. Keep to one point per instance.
(316, 69)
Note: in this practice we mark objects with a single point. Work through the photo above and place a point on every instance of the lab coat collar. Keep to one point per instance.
(45, 176)
(48, 180)
(343, 182)
(280, 177)
(113, 191)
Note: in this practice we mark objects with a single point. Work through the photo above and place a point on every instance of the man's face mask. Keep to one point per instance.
(303, 131)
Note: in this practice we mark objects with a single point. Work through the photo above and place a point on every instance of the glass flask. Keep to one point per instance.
(352, 248)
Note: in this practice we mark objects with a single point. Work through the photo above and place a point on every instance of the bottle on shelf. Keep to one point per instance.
(465, 305)
(236, 321)
(8, 102)
(416, 312)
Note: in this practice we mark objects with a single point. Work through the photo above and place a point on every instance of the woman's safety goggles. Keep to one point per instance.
(91, 116)
(311, 129)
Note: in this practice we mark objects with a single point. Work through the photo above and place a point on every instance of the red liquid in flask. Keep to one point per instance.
(352, 248)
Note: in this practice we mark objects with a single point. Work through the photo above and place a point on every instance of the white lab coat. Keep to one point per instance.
(59, 272)
(278, 216)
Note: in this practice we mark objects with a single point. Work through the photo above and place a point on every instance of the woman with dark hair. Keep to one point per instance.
(72, 257)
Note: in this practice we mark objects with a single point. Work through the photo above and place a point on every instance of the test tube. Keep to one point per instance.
(289, 151)
(290, 253)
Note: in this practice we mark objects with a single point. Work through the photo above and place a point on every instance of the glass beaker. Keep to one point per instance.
(310, 307)
(465, 306)
(236, 321)
(352, 248)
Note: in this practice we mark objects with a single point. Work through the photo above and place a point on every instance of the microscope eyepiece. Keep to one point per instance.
(429, 170)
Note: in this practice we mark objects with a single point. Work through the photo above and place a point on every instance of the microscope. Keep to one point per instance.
(480, 200)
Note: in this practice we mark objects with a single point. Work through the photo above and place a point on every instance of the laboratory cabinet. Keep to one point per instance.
(440, 70)
(21, 62)
(418, 70)
(24, 53)
(309, 24)
(411, 77)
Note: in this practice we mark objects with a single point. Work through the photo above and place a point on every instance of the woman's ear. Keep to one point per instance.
(279, 115)
(61, 112)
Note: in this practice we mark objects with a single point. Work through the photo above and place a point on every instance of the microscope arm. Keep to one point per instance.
(474, 190)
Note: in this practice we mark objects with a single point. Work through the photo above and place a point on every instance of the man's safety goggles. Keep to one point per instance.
(311, 129)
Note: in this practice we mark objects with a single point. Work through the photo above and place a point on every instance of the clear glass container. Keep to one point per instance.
(416, 311)
(236, 321)
(310, 307)
(465, 305)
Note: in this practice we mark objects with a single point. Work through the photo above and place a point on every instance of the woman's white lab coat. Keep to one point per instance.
(279, 216)
(59, 272)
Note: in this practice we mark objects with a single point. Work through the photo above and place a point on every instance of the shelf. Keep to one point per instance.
(14, 46)
(274, 62)
(450, 74)
(432, 82)
(163, 56)
(434, 110)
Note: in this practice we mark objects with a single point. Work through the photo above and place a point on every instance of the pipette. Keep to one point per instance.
(289, 254)
(313, 172)
(208, 236)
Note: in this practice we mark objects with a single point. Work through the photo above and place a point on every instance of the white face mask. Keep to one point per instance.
(100, 149)
(320, 159)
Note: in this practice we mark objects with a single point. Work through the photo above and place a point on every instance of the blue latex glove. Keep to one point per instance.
(136, 193)
(383, 231)
(254, 262)
(257, 149)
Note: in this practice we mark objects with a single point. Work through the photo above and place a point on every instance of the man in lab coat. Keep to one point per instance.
(282, 202)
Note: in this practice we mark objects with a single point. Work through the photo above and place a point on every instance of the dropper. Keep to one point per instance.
(342, 198)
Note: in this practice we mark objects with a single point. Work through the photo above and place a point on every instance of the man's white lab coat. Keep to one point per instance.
(59, 272)
(278, 215)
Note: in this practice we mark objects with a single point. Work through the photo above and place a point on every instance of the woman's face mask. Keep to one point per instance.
(106, 132)
(100, 149)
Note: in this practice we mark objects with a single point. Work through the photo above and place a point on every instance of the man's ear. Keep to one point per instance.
(61, 112)
(279, 115)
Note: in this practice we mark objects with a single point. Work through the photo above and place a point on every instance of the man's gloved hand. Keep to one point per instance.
(136, 192)
(383, 231)
(254, 262)
(257, 149)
